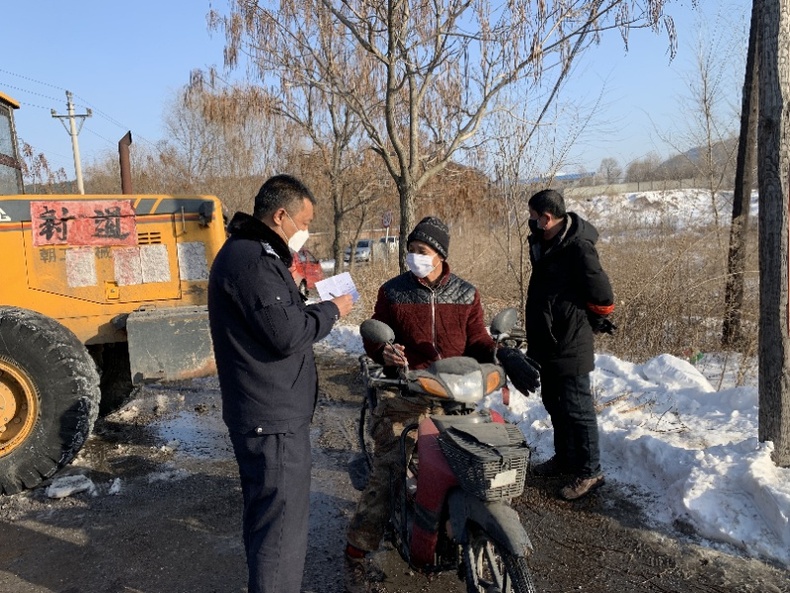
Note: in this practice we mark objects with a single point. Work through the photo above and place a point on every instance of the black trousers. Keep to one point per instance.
(275, 483)
(569, 402)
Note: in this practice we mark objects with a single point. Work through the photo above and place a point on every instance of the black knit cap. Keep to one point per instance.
(434, 232)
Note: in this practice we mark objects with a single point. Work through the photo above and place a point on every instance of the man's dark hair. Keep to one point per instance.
(281, 191)
(548, 201)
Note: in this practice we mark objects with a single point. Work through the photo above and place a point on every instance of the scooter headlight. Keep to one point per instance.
(467, 388)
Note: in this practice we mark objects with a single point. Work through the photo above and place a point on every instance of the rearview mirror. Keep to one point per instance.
(377, 332)
(504, 321)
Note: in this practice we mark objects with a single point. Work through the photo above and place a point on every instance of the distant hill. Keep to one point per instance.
(691, 164)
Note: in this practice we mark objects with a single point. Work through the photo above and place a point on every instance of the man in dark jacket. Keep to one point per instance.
(263, 335)
(569, 297)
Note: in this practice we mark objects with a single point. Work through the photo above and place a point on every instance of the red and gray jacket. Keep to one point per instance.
(433, 322)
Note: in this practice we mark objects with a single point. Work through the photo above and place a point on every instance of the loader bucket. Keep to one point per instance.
(170, 344)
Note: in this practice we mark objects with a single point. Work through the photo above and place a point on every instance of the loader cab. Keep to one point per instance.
(10, 163)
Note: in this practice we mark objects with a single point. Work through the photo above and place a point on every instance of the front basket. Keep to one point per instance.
(489, 468)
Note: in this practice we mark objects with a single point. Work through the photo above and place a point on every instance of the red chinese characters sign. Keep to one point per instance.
(98, 223)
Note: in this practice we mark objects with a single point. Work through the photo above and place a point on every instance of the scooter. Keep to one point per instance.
(450, 503)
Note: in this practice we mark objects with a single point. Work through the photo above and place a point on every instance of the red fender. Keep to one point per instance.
(433, 481)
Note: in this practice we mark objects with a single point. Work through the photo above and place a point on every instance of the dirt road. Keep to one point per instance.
(166, 511)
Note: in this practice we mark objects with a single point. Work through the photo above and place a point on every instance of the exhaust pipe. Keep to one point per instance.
(126, 167)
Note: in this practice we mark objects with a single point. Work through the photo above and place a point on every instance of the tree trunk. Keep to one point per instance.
(774, 167)
(732, 334)
(408, 197)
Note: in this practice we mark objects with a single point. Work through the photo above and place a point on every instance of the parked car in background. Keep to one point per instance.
(362, 251)
(391, 242)
(306, 271)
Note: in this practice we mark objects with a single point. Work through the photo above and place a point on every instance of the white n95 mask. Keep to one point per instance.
(299, 238)
(420, 265)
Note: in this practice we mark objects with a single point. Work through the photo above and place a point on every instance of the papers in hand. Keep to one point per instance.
(334, 286)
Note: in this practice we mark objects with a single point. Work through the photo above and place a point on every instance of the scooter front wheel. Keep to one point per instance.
(491, 568)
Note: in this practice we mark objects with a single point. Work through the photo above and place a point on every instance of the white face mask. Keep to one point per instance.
(420, 265)
(299, 238)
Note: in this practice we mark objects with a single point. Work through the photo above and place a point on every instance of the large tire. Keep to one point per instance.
(116, 376)
(49, 398)
(361, 464)
(489, 566)
(365, 426)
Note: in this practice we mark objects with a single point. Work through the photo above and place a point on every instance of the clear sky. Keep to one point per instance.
(644, 97)
(124, 60)
(127, 60)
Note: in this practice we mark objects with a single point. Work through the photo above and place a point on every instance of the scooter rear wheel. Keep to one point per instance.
(490, 568)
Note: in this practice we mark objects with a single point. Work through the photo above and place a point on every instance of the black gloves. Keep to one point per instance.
(522, 371)
(601, 325)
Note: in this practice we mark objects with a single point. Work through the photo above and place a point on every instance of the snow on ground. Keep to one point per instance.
(673, 209)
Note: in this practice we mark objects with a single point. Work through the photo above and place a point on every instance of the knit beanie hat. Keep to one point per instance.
(434, 232)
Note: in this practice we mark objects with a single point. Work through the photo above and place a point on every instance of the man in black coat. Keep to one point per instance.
(263, 336)
(569, 297)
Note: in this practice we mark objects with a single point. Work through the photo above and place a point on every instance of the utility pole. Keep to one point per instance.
(74, 131)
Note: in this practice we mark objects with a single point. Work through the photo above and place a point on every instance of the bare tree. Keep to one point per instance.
(524, 153)
(644, 169)
(705, 141)
(732, 333)
(38, 176)
(610, 171)
(774, 183)
(216, 144)
(302, 98)
(430, 70)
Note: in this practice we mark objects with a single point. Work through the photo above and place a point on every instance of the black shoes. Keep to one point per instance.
(361, 575)
(355, 576)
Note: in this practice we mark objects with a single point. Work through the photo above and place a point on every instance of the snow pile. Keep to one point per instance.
(64, 486)
(675, 209)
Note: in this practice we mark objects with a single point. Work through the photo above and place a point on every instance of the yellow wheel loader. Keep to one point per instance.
(98, 295)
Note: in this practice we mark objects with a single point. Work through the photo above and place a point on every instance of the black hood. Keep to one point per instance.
(576, 228)
(244, 226)
(581, 229)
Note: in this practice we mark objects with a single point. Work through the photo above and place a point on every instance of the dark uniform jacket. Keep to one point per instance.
(567, 285)
(263, 333)
(440, 322)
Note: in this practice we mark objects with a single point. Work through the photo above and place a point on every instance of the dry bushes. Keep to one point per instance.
(670, 293)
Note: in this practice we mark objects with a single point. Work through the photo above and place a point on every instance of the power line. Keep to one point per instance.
(21, 90)
(32, 79)
(100, 112)
(87, 104)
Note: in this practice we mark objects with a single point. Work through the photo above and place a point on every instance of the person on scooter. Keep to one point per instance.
(434, 314)
(568, 299)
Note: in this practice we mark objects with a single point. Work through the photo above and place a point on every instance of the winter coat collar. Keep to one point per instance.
(444, 277)
(576, 228)
(244, 226)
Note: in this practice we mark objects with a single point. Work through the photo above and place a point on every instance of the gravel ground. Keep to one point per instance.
(164, 516)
